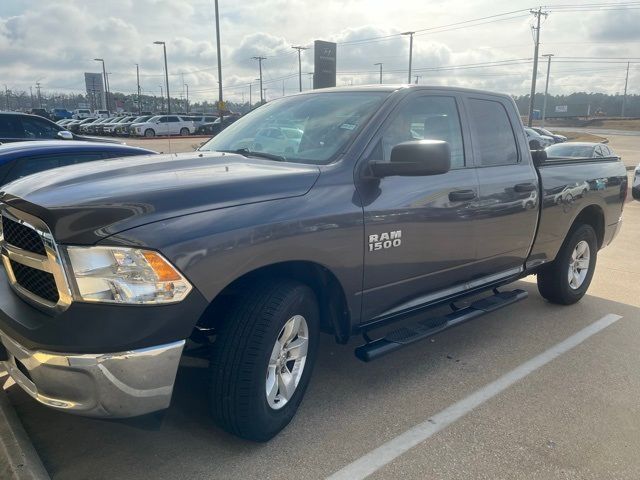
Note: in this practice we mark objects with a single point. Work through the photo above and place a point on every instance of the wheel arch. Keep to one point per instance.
(592, 215)
(335, 317)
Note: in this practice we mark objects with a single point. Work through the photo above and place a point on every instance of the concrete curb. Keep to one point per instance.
(18, 458)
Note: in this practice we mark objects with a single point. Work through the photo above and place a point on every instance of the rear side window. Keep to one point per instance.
(10, 127)
(37, 129)
(494, 140)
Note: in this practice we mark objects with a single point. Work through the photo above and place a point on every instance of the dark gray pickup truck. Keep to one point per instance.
(336, 211)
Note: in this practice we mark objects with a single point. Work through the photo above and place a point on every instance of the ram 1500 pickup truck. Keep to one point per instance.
(334, 211)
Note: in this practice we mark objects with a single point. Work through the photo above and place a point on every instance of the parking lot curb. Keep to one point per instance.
(18, 458)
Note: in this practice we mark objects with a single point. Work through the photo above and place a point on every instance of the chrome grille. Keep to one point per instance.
(32, 261)
(22, 237)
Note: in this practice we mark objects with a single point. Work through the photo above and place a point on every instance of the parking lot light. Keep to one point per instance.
(166, 73)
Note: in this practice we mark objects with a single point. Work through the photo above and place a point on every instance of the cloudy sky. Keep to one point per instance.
(55, 41)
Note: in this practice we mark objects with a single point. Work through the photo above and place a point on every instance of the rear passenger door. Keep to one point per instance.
(507, 207)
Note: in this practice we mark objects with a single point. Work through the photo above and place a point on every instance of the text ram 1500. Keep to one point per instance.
(392, 201)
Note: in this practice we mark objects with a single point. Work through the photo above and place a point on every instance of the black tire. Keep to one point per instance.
(553, 279)
(184, 131)
(241, 352)
(635, 192)
(149, 133)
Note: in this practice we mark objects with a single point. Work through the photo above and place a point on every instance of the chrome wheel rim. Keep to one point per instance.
(287, 361)
(579, 264)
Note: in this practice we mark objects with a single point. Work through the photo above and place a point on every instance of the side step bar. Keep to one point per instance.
(422, 329)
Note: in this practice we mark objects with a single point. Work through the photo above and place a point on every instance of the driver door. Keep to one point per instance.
(420, 239)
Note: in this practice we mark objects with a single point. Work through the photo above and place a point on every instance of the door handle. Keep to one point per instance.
(460, 195)
(524, 187)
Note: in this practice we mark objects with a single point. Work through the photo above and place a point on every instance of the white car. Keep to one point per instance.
(543, 140)
(164, 125)
(110, 128)
(635, 189)
(81, 113)
(101, 113)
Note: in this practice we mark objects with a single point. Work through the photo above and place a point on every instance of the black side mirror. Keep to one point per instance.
(415, 158)
(534, 144)
(539, 157)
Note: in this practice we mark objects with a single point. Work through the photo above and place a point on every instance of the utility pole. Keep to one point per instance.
(410, 52)
(417, 78)
(260, 59)
(310, 74)
(31, 95)
(626, 82)
(249, 97)
(546, 87)
(538, 14)
(39, 96)
(219, 54)
(380, 65)
(299, 66)
(166, 73)
(138, 82)
(186, 85)
(161, 100)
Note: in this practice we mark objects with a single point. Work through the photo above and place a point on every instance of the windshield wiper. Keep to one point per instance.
(250, 153)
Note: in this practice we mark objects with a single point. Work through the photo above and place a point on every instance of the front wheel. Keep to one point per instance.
(262, 358)
(566, 280)
(184, 131)
(149, 133)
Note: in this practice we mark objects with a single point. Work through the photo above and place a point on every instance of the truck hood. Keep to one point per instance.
(85, 203)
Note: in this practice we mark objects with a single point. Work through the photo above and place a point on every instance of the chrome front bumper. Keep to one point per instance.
(114, 385)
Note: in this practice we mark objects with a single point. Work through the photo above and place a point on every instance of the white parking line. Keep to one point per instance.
(387, 452)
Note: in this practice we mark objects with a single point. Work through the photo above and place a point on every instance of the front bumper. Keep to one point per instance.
(114, 385)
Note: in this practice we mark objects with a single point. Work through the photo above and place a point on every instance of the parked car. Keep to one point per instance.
(122, 128)
(102, 113)
(105, 128)
(537, 141)
(65, 121)
(215, 127)
(556, 138)
(60, 114)
(281, 140)
(91, 127)
(74, 126)
(15, 127)
(20, 159)
(580, 150)
(635, 189)
(163, 125)
(201, 119)
(82, 113)
(249, 254)
(41, 112)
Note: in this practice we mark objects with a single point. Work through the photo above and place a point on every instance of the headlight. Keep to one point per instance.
(125, 275)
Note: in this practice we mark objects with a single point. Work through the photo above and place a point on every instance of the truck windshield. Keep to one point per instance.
(310, 128)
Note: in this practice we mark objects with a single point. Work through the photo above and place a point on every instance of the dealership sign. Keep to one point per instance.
(562, 108)
(324, 74)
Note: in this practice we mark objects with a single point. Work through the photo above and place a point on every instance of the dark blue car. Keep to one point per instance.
(20, 159)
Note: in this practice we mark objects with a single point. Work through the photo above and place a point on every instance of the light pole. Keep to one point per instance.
(166, 73)
(106, 86)
(260, 59)
(219, 63)
(546, 88)
(299, 65)
(161, 100)
(249, 97)
(187, 97)
(138, 81)
(380, 64)
(410, 52)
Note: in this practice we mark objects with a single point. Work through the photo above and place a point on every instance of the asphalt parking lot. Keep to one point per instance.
(576, 416)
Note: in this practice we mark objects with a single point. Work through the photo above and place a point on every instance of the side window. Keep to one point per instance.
(72, 159)
(173, 119)
(38, 129)
(164, 119)
(10, 127)
(425, 118)
(28, 165)
(494, 140)
(598, 152)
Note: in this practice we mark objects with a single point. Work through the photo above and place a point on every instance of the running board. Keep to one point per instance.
(422, 329)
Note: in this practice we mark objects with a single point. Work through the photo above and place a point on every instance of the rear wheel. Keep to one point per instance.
(149, 132)
(262, 358)
(566, 280)
(184, 131)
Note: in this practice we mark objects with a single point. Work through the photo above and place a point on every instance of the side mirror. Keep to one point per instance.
(534, 144)
(65, 135)
(539, 157)
(415, 158)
